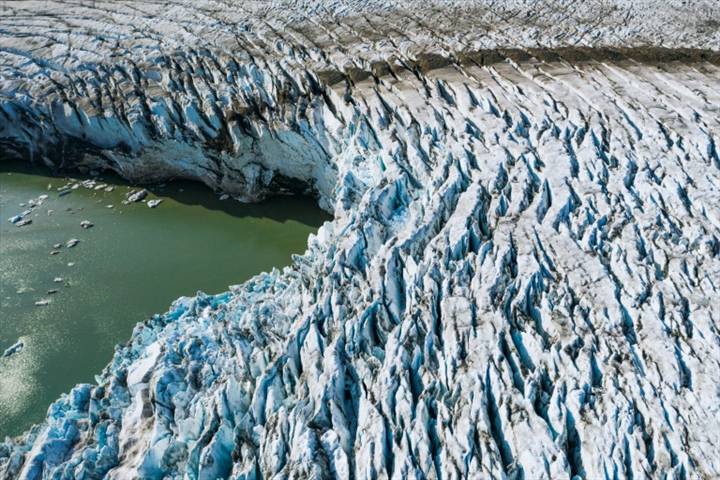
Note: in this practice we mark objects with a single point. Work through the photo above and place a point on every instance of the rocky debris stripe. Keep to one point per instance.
(519, 282)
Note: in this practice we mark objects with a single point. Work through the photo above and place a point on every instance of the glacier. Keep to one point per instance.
(522, 276)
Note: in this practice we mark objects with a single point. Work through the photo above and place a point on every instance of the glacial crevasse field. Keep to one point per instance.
(522, 278)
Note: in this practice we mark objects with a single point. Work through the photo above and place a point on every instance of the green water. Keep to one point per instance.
(130, 265)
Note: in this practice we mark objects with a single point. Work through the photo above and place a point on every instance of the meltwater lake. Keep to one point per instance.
(131, 264)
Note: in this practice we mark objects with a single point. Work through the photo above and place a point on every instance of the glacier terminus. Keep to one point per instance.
(522, 276)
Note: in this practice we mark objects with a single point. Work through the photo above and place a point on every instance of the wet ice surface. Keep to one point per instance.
(520, 281)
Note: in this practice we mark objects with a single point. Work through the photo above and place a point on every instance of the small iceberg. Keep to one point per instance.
(17, 348)
(86, 224)
(42, 303)
(72, 242)
(22, 223)
(15, 219)
(136, 196)
(154, 203)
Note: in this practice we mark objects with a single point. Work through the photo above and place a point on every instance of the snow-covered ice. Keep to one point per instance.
(521, 279)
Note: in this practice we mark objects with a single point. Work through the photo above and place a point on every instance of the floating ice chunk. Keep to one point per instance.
(136, 196)
(154, 203)
(16, 348)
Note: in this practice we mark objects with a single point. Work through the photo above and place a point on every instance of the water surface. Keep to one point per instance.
(130, 265)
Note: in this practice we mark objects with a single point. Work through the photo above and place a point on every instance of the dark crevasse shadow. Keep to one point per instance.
(280, 208)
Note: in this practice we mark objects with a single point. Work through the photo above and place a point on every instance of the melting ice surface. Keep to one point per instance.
(130, 265)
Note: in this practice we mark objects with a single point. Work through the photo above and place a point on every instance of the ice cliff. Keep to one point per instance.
(522, 276)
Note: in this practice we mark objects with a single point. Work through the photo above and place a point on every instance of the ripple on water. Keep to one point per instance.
(18, 381)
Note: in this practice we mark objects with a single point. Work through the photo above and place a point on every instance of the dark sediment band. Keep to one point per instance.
(427, 62)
